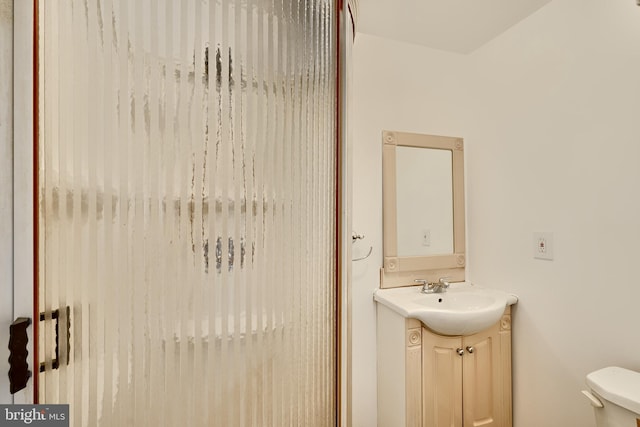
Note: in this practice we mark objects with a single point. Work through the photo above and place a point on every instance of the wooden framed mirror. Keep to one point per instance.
(423, 208)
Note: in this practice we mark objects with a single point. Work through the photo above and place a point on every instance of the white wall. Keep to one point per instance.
(553, 144)
(550, 113)
(392, 89)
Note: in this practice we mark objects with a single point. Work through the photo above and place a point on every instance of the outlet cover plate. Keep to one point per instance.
(543, 245)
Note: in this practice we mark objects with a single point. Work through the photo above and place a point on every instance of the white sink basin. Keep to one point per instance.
(463, 309)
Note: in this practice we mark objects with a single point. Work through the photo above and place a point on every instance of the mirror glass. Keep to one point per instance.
(423, 208)
(424, 199)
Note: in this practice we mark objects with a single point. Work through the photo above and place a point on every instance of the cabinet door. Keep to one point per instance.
(482, 384)
(442, 380)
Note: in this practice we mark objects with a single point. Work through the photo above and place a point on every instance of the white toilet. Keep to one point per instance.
(615, 394)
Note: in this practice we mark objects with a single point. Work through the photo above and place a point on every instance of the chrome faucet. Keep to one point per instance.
(434, 288)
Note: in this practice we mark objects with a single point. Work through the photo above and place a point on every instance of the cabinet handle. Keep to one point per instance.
(470, 349)
(460, 351)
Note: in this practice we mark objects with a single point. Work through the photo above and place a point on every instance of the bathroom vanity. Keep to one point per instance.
(430, 379)
(444, 348)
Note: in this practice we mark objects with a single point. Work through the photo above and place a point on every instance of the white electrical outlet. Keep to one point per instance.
(543, 245)
(426, 237)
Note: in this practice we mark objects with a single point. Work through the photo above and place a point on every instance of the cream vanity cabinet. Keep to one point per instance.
(431, 380)
(462, 376)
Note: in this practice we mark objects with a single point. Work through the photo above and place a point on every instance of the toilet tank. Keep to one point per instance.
(618, 390)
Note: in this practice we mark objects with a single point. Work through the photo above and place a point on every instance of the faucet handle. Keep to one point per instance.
(426, 286)
(444, 281)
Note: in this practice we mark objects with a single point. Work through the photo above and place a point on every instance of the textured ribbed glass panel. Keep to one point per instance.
(187, 211)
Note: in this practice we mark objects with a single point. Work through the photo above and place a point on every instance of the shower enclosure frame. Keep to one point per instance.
(21, 184)
(26, 231)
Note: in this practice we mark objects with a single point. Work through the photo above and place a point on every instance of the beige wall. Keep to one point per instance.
(550, 113)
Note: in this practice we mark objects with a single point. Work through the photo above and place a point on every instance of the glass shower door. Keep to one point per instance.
(187, 198)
